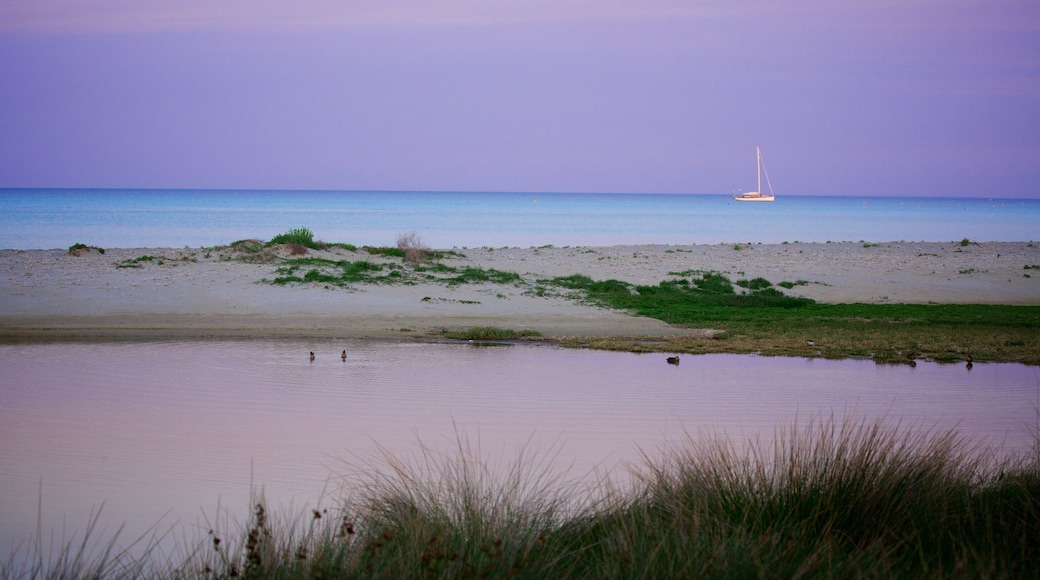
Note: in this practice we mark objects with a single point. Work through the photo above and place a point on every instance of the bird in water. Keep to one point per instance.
(343, 356)
(312, 356)
(673, 360)
(969, 365)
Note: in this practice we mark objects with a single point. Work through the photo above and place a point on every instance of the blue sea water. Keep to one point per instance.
(58, 218)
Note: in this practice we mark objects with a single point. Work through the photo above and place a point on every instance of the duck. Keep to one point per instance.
(673, 360)
(970, 361)
(343, 356)
(312, 356)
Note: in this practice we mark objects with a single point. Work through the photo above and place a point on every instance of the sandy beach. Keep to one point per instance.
(192, 292)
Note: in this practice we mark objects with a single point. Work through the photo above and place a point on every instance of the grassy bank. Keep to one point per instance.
(822, 500)
(761, 319)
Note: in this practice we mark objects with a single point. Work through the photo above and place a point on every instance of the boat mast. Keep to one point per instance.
(758, 154)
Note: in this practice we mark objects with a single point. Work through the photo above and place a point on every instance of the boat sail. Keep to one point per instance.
(757, 195)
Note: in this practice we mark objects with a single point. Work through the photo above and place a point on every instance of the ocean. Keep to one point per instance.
(58, 218)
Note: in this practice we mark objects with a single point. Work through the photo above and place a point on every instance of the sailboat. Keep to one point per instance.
(757, 195)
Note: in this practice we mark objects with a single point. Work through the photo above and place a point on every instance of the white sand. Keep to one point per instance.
(51, 294)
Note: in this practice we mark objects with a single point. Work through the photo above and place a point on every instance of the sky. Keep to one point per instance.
(850, 97)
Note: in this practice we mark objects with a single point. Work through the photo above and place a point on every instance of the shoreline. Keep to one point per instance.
(211, 293)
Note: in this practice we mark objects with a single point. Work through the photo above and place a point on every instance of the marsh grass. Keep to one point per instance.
(822, 499)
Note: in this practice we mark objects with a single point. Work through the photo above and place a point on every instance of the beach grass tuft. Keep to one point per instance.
(825, 498)
(301, 236)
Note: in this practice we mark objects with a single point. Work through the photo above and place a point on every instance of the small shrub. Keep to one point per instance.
(714, 283)
(80, 249)
(413, 248)
(754, 284)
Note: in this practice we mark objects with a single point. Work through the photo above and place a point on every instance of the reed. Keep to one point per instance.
(822, 499)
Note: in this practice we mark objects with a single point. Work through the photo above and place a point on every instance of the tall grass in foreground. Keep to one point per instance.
(825, 499)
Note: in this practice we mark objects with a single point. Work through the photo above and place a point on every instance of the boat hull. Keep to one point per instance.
(753, 197)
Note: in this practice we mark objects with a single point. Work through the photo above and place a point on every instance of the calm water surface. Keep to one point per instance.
(58, 218)
(178, 428)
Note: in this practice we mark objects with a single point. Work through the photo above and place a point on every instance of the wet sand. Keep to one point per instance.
(50, 294)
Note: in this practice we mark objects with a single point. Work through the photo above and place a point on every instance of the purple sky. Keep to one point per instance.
(882, 97)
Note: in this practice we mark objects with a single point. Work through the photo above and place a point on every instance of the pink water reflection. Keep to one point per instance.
(180, 427)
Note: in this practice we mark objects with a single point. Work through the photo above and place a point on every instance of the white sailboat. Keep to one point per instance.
(757, 195)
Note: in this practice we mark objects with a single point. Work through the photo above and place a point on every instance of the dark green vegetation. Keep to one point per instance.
(301, 236)
(78, 248)
(136, 262)
(346, 272)
(827, 500)
(763, 320)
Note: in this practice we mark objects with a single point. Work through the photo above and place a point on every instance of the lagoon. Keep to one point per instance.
(172, 431)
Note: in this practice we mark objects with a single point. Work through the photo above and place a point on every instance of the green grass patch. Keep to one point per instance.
(754, 284)
(478, 275)
(390, 252)
(769, 322)
(136, 262)
(336, 273)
